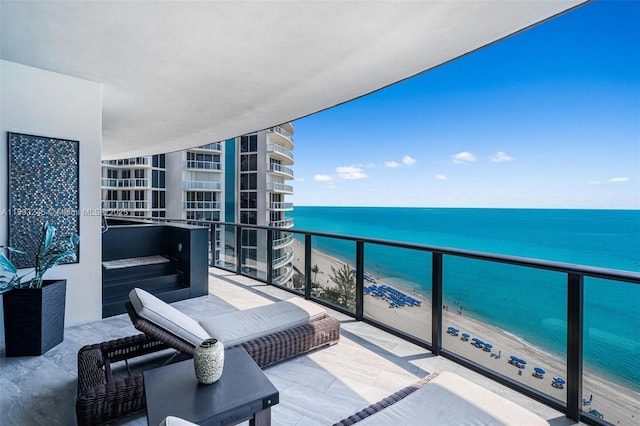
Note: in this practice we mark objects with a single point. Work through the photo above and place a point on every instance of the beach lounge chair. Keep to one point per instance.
(444, 398)
(269, 333)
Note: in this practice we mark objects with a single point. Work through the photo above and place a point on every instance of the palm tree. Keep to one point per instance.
(315, 269)
(344, 294)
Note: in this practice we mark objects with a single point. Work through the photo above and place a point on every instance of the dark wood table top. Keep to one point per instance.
(242, 391)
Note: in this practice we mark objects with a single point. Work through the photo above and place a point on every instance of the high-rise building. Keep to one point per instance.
(243, 180)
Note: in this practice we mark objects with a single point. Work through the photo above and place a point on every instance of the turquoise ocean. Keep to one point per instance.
(528, 303)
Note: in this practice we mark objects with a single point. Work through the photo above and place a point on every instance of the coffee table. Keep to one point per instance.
(242, 393)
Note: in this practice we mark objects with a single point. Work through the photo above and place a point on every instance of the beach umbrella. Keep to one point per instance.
(513, 358)
(488, 345)
(522, 361)
(538, 370)
(465, 335)
(559, 380)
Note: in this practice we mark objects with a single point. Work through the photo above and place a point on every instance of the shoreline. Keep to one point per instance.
(618, 403)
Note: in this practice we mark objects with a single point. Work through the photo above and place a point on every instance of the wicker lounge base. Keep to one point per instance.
(103, 399)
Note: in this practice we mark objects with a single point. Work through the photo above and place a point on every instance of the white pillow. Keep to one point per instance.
(163, 315)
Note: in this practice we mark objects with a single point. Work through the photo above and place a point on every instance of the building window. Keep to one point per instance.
(248, 181)
(125, 174)
(249, 143)
(248, 162)
(158, 161)
(138, 173)
(248, 200)
(249, 217)
(139, 195)
(112, 174)
(125, 195)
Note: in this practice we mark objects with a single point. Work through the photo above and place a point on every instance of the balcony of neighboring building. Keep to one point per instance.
(283, 276)
(280, 170)
(202, 205)
(283, 259)
(279, 187)
(280, 153)
(281, 136)
(210, 147)
(283, 240)
(125, 205)
(284, 223)
(280, 206)
(195, 185)
(129, 162)
(130, 183)
(214, 166)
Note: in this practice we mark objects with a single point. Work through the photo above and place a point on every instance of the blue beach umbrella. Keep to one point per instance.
(465, 335)
(513, 358)
(522, 361)
(539, 370)
(559, 380)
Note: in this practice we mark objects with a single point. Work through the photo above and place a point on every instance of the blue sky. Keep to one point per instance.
(549, 118)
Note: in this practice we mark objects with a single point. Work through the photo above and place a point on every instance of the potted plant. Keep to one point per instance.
(34, 309)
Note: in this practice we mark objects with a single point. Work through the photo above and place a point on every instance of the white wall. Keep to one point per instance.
(39, 102)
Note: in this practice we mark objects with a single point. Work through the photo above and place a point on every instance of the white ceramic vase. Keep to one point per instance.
(208, 360)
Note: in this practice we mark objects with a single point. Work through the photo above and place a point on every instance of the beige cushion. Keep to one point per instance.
(163, 315)
(241, 326)
(176, 421)
(451, 399)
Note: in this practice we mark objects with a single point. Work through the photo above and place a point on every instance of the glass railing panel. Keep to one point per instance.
(254, 252)
(397, 289)
(611, 376)
(509, 319)
(227, 253)
(298, 279)
(332, 276)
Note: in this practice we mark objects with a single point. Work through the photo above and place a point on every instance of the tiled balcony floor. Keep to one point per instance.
(319, 388)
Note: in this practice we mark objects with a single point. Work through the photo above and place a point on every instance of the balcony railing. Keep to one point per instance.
(271, 147)
(279, 130)
(437, 269)
(216, 146)
(280, 206)
(202, 205)
(138, 161)
(279, 187)
(125, 205)
(279, 168)
(202, 165)
(126, 183)
(196, 185)
(285, 223)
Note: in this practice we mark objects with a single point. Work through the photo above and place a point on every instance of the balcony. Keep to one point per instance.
(125, 183)
(281, 170)
(200, 185)
(202, 165)
(282, 260)
(283, 136)
(210, 147)
(285, 223)
(128, 162)
(287, 239)
(321, 387)
(125, 205)
(283, 154)
(279, 187)
(280, 206)
(202, 205)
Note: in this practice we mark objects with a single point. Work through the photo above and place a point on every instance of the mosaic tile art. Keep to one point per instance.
(43, 186)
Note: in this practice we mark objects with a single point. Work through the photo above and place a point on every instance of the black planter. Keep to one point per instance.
(34, 318)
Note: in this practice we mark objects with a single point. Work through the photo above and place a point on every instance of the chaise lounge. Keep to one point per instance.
(443, 398)
(270, 334)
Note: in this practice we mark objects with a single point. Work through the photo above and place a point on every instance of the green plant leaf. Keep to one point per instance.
(7, 264)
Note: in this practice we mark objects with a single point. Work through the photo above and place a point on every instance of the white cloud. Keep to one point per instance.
(618, 179)
(351, 172)
(500, 157)
(441, 177)
(463, 157)
(391, 164)
(323, 178)
(408, 161)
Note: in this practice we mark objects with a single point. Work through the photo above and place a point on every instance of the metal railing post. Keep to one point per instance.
(575, 317)
(307, 266)
(269, 256)
(436, 301)
(359, 280)
(212, 243)
(238, 249)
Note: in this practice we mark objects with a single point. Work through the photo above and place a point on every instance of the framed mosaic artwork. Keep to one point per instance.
(44, 185)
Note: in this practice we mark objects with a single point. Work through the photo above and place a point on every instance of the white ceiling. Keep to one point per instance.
(178, 74)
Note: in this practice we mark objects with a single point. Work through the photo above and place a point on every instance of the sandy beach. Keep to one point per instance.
(618, 404)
